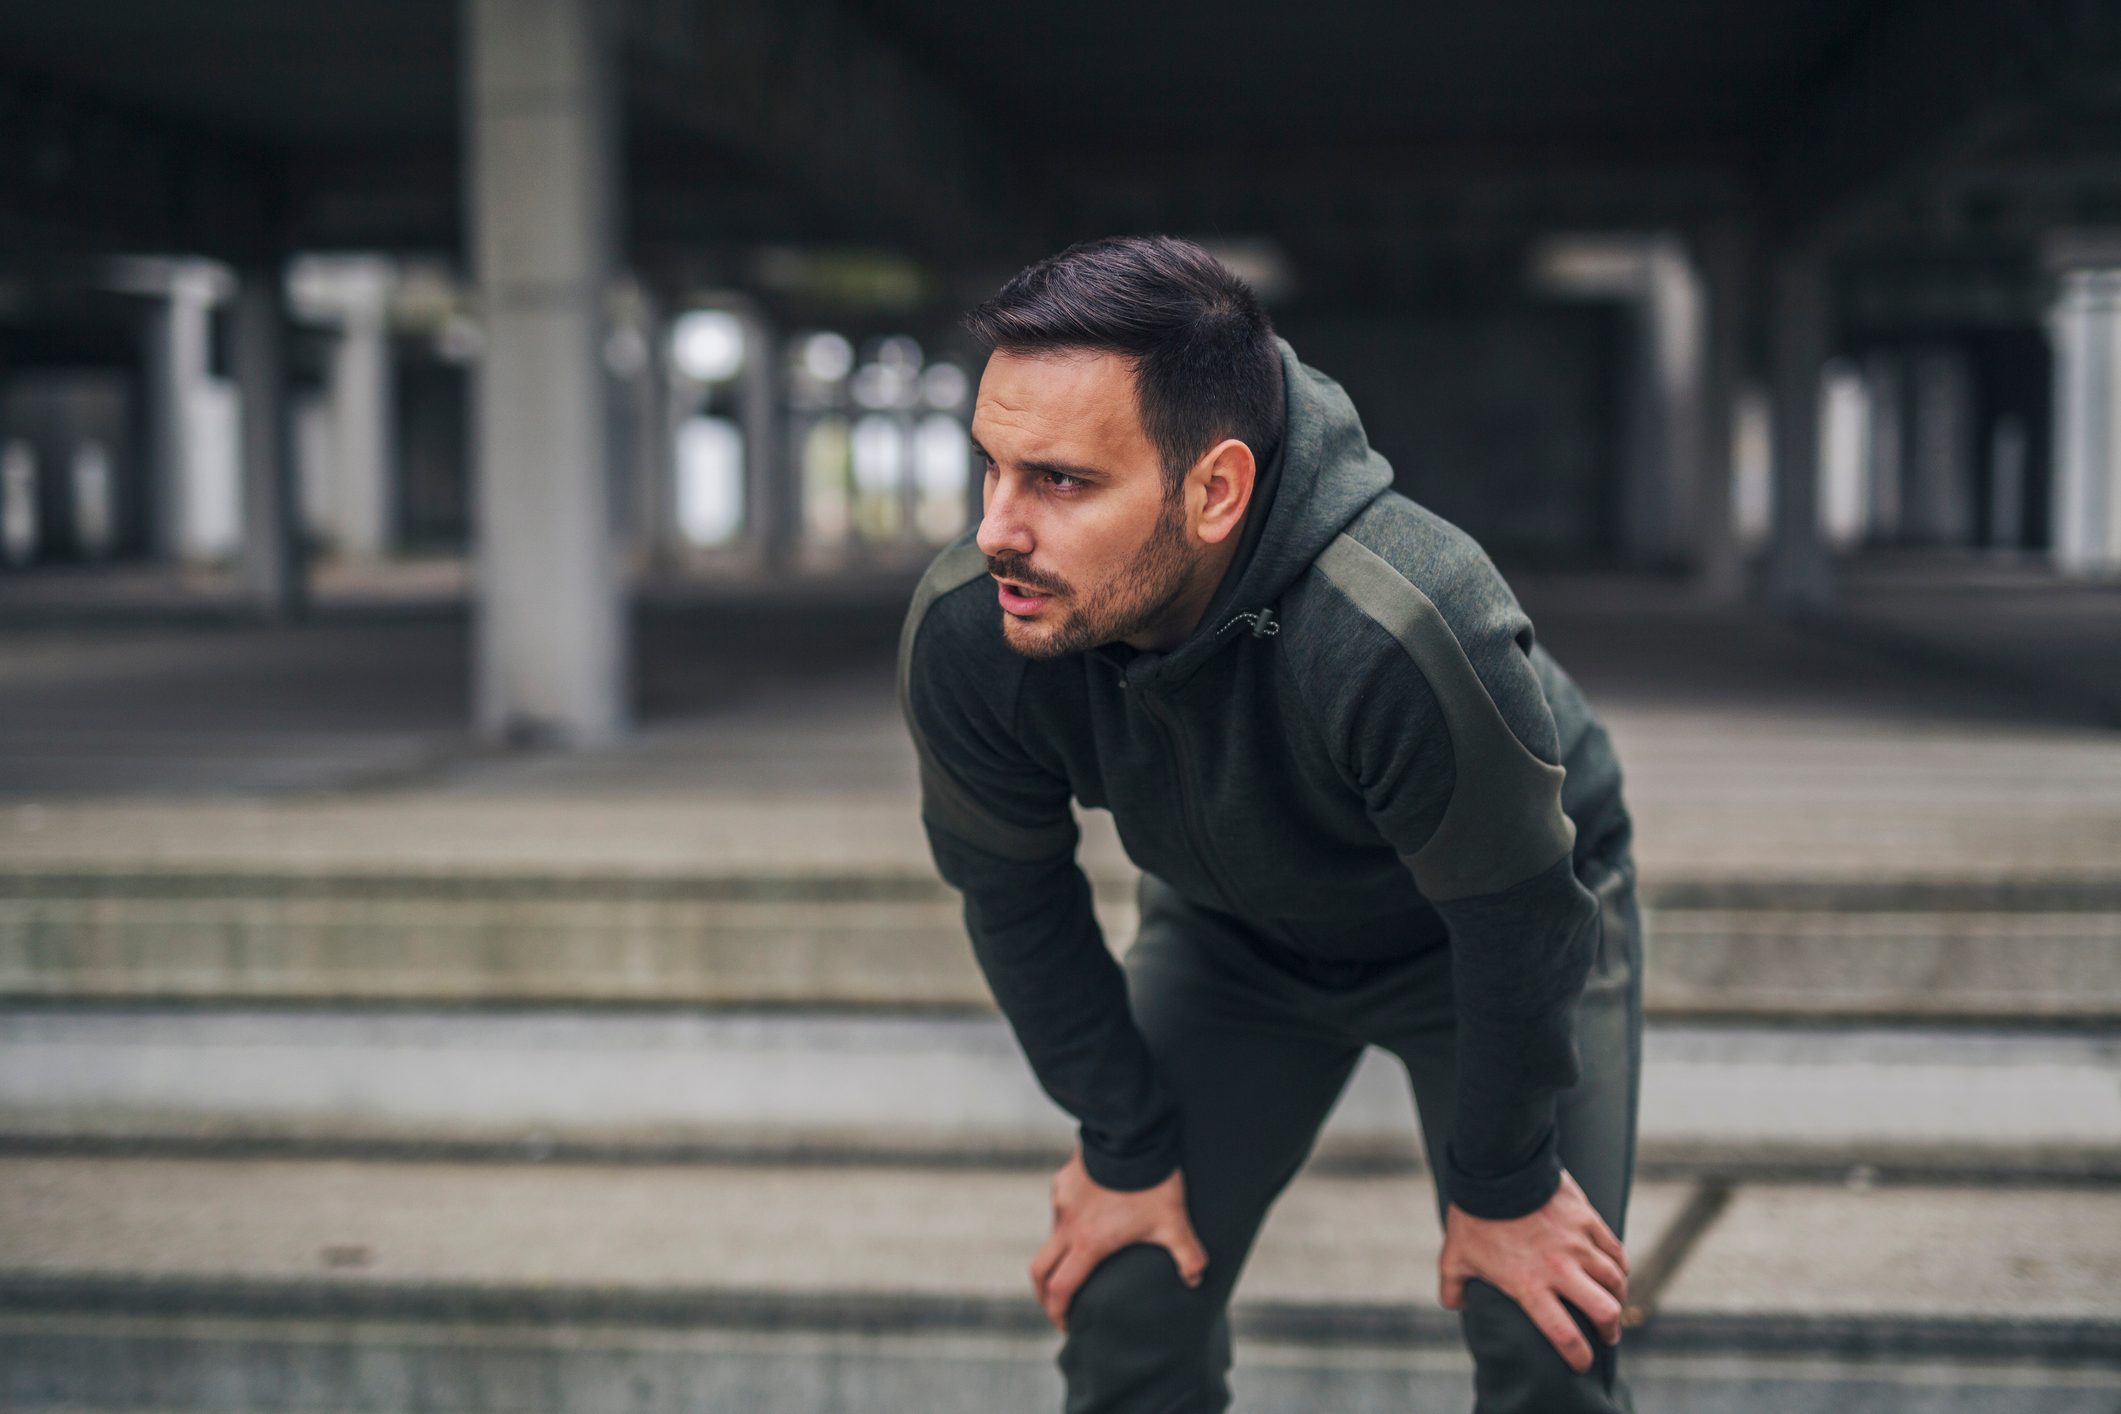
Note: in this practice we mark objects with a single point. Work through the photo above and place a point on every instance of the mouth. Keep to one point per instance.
(1020, 599)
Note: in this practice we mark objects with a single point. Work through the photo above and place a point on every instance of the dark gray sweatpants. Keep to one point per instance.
(1257, 1050)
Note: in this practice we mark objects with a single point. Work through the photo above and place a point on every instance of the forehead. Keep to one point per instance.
(1044, 404)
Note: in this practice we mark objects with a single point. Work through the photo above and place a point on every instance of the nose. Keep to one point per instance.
(1002, 528)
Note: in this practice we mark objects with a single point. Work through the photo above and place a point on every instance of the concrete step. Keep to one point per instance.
(1736, 818)
(955, 1088)
(242, 1285)
(1971, 949)
(72, 1362)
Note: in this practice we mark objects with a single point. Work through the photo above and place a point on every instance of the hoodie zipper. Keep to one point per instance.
(1196, 837)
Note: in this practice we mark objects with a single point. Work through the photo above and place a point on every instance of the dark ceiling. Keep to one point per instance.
(964, 129)
(1089, 73)
(287, 75)
(1526, 73)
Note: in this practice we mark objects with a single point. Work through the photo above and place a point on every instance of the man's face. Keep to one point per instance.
(1084, 543)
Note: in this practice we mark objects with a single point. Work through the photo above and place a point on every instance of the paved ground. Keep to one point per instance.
(672, 1083)
(599, 1240)
(1914, 786)
(76, 1363)
(488, 1286)
(769, 735)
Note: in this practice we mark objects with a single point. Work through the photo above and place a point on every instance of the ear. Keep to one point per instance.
(1222, 481)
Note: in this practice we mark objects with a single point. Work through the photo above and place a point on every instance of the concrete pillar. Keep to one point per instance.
(2009, 450)
(659, 544)
(1885, 376)
(271, 556)
(640, 376)
(163, 463)
(1665, 505)
(198, 497)
(1801, 336)
(364, 460)
(550, 632)
(1939, 488)
(1661, 415)
(1722, 257)
(2085, 327)
(773, 500)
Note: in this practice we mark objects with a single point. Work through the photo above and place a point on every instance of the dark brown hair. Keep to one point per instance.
(1203, 352)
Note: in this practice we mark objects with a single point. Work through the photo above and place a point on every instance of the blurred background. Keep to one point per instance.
(466, 940)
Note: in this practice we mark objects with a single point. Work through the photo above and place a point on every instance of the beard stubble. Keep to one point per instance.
(1125, 605)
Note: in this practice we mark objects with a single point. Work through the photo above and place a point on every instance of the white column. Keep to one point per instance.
(272, 552)
(204, 496)
(1940, 451)
(1887, 450)
(549, 644)
(1662, 412)
(1722, 257)
(2085, 327)
(363, 416)
(162, 401)
(1798, 574)
(774, 499)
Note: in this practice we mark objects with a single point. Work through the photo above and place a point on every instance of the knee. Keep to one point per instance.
(1516, 1368)
(1136, 1295)
(1136, 1328)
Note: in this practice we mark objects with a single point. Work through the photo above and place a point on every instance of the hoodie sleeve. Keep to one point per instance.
(1002, 833)
(1451, 742)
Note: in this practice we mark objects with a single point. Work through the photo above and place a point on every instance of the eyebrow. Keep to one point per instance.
(1081, 473)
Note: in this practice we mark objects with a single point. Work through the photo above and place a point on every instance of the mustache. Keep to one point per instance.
(1013, 567)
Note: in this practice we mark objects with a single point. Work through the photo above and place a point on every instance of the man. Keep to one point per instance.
(1368, 807)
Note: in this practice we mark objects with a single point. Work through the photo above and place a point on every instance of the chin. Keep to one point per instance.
(1034, 640)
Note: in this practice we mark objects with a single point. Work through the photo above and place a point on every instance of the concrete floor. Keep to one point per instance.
(284, 1285)
(1856, 764)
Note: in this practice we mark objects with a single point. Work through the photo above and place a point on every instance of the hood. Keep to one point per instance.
(1324, 472)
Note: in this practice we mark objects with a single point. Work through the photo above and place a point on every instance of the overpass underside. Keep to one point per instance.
(586, 300)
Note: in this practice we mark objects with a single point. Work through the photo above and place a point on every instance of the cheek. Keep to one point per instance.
(1090, 566)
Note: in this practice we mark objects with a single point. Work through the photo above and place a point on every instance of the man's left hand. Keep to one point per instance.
(1562, 1251)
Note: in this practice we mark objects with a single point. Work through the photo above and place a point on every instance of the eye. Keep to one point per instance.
(1061, 481)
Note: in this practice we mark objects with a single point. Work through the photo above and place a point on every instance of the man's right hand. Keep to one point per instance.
(1090, 1223)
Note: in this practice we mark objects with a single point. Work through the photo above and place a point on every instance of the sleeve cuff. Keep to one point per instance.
(1130, 1173)
(1509, 1195)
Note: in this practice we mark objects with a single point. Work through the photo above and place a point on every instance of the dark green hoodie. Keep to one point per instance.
(1358, 754)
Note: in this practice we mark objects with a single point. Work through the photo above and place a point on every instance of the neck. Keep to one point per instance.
(1184, 616)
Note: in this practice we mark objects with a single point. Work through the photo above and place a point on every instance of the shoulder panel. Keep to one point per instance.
(944, 798)
(1504, 822)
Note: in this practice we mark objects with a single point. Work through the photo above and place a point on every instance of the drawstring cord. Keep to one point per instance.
(1264, 624)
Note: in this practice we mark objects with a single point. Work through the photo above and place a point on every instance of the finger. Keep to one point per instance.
(1185, 1249)
(1606, 1272)
(1559, 1328)
(1061, 1289)
(1451, 1291)
(1607, 1242)
(1046, 1260)
(1597, 1305)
